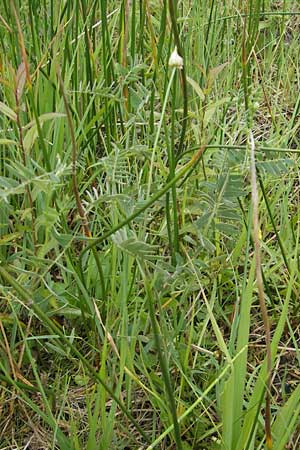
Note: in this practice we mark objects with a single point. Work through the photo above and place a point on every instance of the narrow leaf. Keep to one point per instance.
(8, 142)
(196, 88)
(8, 112)
(285, 421)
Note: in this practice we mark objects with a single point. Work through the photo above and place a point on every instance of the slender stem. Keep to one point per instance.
(261, 295)
(245, 65)
(158, 130)
(172, 10)
(172, 167)
(124, 49)
(244, 147)
(23, 71)
(278, 238)
(23, 153)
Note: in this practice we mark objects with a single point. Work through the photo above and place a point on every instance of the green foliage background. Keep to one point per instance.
(134, 322)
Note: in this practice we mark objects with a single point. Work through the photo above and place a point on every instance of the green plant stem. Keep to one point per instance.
(282, 249)
(155, 144)
(173, 15)
(261, 295)
(172, 168)
(173, 241)
(244, 147)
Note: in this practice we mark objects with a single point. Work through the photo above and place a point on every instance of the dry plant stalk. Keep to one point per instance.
(23, 76)
(19, 87)
(261, 295)
(79, 205)
(21, 44)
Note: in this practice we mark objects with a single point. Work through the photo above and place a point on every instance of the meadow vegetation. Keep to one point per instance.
(141, 277)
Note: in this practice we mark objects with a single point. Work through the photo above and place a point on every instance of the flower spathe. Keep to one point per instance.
(176, 60)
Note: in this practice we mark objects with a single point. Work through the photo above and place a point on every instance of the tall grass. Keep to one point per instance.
(129, 270)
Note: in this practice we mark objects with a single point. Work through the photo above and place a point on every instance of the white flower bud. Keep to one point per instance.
(176, 60)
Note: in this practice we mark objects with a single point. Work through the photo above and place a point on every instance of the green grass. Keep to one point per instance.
(130, 314)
